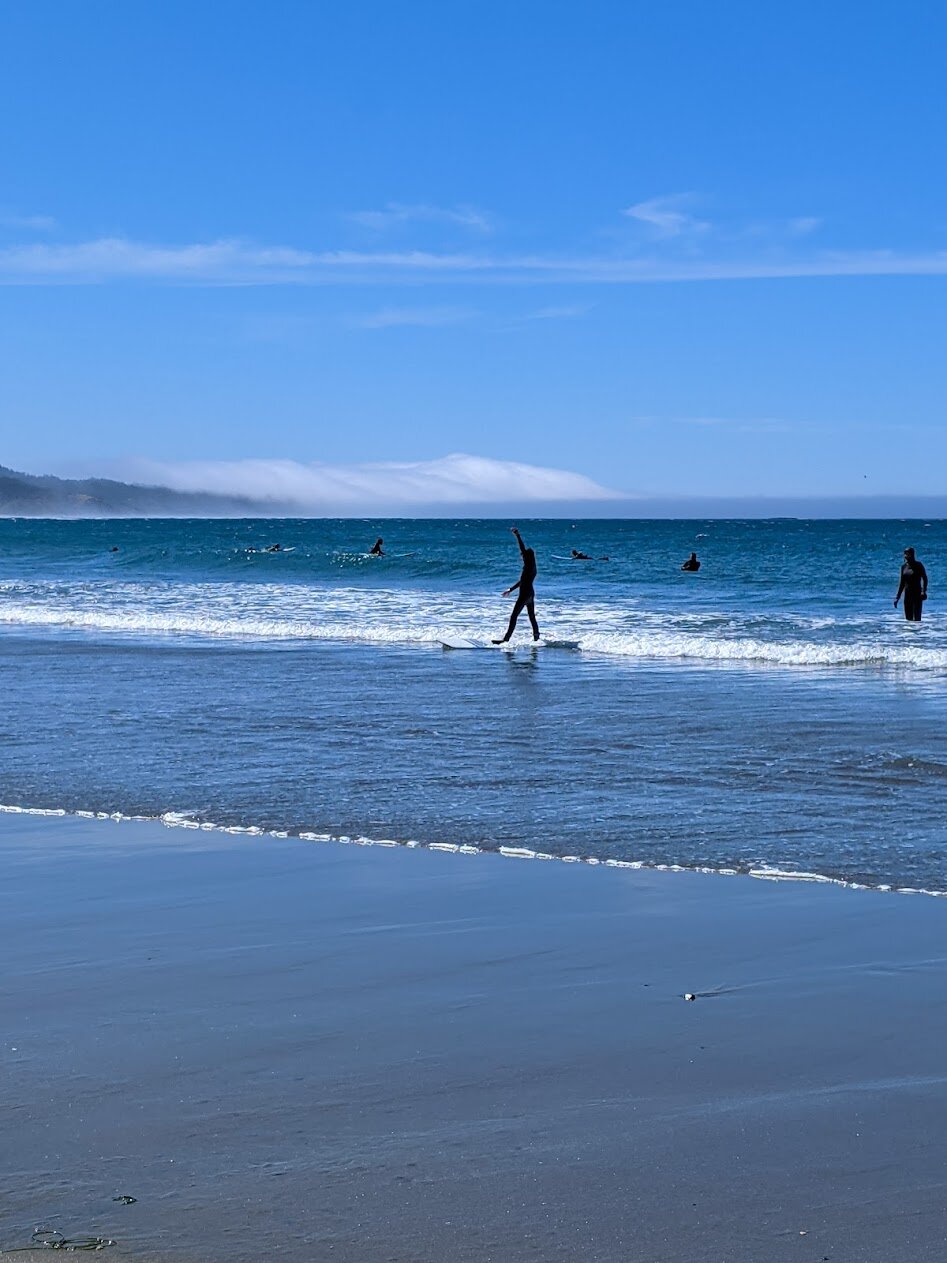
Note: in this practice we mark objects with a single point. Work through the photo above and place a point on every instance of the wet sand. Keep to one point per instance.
(330, 1052)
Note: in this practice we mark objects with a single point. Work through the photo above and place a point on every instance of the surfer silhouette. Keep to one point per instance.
(913, 585)
(692, 564)
(376, 548)
(526, 595)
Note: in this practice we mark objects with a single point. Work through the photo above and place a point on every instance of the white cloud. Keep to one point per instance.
(376, 487)
(803, 225)
(241, 263)
(109, 258)
(738, 425)
(404, 317)
(396, 214)
(567, 311)
(666, 215)
(32, 223)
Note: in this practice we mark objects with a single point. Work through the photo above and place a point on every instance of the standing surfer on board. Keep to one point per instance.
(526, 595)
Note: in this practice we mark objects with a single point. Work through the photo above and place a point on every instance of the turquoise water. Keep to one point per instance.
(773, 712)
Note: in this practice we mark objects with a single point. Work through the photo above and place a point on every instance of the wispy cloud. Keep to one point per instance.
(111, 258)
(566, 311)
(403, 317)
(667, 216)
(457, 479)
(396, 214)
(735, 425)
(803, 225)
(670, 224)
(242, 263)
(32, 223)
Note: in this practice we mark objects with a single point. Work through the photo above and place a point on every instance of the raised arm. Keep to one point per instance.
(519, 540)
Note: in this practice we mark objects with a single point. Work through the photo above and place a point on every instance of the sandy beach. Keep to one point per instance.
(361, 1054)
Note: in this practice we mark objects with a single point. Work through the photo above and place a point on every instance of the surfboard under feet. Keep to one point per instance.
(463, 642)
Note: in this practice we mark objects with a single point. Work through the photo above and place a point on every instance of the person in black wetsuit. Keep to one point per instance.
(526, 595)
(376, 548)
(914, 586)
(692, 564)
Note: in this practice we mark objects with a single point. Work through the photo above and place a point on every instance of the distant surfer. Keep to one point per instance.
(377, 549)
(274, 548)
(577, 556)
(913, 585)
(526, 595)
(692, 565)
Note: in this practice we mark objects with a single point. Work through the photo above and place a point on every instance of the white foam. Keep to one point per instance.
(620, 629)
(180, 820)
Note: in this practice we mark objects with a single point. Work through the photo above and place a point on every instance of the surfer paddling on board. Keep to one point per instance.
(577, 556)
(376, 549)
(525, 596)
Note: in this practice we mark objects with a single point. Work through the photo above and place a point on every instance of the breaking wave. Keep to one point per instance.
(616, 630)
(181, 820)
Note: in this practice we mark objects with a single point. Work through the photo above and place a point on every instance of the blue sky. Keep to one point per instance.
(678, 249)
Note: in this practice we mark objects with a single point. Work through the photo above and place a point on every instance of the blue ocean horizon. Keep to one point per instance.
(773, 713)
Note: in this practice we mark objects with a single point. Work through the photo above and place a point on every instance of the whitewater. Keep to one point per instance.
(773, 714)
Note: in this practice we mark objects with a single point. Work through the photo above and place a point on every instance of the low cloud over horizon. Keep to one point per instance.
(373, 487)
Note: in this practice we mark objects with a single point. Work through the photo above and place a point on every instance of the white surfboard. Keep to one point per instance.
(463, 642)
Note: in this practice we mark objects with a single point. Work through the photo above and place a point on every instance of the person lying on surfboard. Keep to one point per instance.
(577, 556)
(526, 595)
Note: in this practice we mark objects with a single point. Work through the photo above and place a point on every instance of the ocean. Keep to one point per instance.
(772, 714)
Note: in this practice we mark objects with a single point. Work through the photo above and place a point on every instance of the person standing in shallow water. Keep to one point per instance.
(526, 595)
(913, 585)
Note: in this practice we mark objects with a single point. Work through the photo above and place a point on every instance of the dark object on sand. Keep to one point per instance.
(52, 1239)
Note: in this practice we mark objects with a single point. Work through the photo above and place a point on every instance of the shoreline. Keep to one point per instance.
(179, 820)
(384, 1054)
